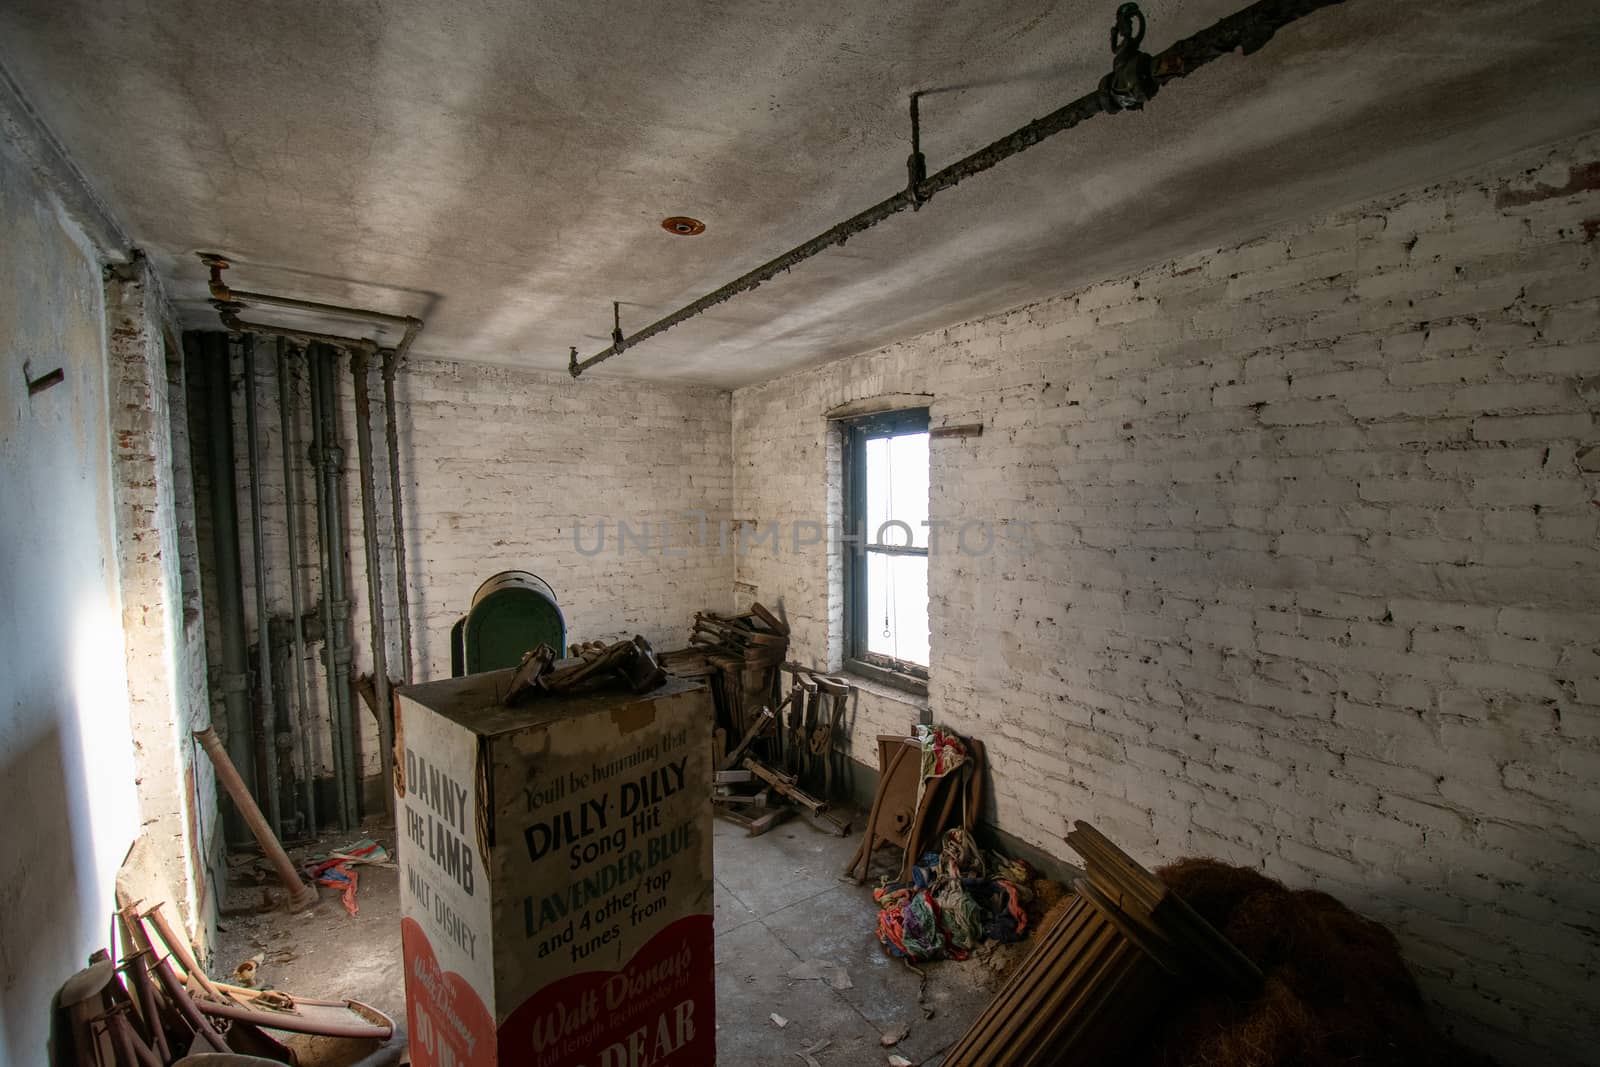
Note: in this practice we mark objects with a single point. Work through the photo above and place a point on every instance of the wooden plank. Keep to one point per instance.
(766, 822)
(1101, 972)
(758, 726)
(784, 784)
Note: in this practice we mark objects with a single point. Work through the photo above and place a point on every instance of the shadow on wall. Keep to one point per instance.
(1476, 960)
(46, 874)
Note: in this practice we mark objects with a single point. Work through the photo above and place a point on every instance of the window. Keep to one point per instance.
(886, 570)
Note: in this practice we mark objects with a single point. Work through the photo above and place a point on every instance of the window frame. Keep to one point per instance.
(856, 432)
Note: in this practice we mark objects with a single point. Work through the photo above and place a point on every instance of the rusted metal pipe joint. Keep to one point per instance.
(219, 288)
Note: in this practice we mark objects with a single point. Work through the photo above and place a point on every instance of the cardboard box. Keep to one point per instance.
(556, 876)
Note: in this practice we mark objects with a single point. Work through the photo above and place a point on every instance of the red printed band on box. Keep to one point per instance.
(657, 1011)
(448, 1024)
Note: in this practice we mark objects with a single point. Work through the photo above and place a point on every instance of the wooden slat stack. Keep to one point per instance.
(1107, 965)
(739, 656)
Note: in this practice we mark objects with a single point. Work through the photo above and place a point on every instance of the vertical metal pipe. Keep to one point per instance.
(338, 641)
(326, 460)
(325, 602)
(391, 358)
(216, 358)
(269, 708)
(369, 533)
(286, 430)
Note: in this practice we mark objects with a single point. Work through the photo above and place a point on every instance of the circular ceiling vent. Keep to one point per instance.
(683, 226)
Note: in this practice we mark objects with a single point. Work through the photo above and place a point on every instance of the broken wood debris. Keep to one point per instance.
(913, 811)
(158, 1016)
(742, 658)
(1103, 969)
(591, 665)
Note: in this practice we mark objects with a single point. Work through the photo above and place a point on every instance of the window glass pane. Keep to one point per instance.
(897, 606)
(897, 488)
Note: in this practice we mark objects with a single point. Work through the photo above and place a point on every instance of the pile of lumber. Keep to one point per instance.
(772, 752)
(738, 656)
(167, 1008)
(1104, 971)
(1205, 963)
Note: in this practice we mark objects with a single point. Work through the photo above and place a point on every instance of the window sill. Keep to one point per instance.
(889, 692)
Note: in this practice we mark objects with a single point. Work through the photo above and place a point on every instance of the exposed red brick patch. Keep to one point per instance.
(1582, 177)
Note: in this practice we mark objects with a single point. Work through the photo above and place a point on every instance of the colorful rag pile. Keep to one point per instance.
(957, 898)
(338, 869)
(943, 751)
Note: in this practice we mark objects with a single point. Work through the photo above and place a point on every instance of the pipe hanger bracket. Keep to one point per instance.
(916, 162)
(1132, 80)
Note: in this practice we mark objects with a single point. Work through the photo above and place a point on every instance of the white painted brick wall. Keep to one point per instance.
(500, 467)
(1316, 583)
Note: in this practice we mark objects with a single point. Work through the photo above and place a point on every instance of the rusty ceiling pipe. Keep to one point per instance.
(1135, 77)
(220, 291)
(230, 302)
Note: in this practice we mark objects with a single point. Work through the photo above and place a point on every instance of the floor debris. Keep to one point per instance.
(893, 1037)
(779, 1021)
(836, 976)
(810, 1054)
(338, 869)
(245, 973)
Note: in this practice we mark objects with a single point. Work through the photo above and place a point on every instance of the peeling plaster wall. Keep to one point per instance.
(165, 633)
(66, 772)
(502, 469)
(1314, 579)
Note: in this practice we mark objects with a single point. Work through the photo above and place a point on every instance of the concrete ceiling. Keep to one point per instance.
(501, 168)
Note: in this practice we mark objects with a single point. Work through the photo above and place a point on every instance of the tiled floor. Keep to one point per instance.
(779, 905)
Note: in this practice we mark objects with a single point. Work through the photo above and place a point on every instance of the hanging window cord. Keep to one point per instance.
(891, 603)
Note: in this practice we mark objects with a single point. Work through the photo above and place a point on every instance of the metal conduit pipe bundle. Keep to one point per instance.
(321, 352)
(268, 719)
(327, 459)
(215, 358)
(287, 422)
